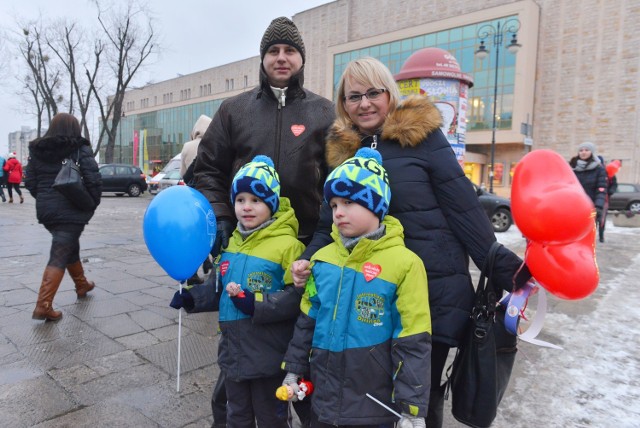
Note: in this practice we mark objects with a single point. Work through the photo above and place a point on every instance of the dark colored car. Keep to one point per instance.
(121, 179)
(498, 209)
(626, 197)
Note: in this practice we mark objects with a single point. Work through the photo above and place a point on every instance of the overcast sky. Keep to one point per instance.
(195, 35)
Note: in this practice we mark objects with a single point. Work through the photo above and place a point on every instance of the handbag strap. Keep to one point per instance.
(486, 299)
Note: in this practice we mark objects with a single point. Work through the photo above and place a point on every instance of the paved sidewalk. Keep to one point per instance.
(111, 360)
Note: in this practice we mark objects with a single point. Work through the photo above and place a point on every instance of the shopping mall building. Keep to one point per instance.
(574, 77)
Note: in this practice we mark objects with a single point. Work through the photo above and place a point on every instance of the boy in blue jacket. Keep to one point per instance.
(260, 305)
(365, 326)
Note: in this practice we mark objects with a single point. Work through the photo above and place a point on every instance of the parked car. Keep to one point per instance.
(498, 209)
(171, 178)
(154, 182)
(626, 197)
(121, 179)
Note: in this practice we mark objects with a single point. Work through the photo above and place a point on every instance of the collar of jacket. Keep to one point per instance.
(54, 149)
(285, 223)
(408, 125)
(393, 236)
(294, 90)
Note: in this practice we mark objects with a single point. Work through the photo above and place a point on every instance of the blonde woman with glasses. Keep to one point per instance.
(433, 199)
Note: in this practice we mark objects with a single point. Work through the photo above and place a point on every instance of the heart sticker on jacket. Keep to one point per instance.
(370, 271)
(224, 266)
(297, 129)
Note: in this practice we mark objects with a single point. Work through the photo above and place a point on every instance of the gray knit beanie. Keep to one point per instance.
(589, 146)
(282, 31)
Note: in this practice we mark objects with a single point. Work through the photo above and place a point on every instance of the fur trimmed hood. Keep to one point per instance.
(54, 149)
(408, 125)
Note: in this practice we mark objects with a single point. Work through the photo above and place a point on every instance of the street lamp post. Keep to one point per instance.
(120, 129)
(498, 31)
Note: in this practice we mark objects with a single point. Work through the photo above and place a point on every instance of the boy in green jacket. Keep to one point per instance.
(259, 307)
(365, 326)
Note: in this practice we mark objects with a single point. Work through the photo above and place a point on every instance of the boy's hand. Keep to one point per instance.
(409, 421)
(233, 289)
(300, 272)
(182, 300)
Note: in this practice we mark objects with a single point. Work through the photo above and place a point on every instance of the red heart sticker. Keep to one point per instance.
(297, 129)
(224, 266)
(370, 271)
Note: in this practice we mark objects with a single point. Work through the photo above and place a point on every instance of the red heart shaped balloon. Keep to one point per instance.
(613, 167)
(567, 271)
(548, 203)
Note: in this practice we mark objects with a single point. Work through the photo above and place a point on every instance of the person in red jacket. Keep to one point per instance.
(13, 167)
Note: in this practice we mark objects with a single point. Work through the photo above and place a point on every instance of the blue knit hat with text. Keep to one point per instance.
(363, 180)
(259, 178)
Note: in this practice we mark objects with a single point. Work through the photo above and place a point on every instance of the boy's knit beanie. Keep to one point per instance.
(282, 31)
(259, 178)
(363, 180)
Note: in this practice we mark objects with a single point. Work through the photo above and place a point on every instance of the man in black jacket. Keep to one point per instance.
(280, 119)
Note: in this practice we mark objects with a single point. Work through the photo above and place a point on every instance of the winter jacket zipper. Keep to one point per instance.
(281, 103)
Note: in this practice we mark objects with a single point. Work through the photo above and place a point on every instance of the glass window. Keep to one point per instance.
(462, 43)
(430, 40)
(442, 38)
(455, 34)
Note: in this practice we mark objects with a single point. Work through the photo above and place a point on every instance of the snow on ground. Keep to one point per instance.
(595, 380)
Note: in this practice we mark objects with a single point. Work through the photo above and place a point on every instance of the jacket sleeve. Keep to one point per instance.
(466, 217)
(285, 304)
(214, 164)
(601, 187)
(90, 173)
(206, 297)
(322, 235)
(296, 359)
(30, 181)
(412, 342)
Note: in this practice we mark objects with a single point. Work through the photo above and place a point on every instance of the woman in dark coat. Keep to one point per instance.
(59, 216)
(592, 176)
(443, 220)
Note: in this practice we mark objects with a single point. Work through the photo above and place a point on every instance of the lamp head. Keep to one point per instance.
(482, 51)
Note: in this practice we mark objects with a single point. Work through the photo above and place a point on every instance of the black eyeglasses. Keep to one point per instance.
(371, 95)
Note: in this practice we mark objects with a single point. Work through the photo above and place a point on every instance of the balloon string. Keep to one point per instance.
(179, 338)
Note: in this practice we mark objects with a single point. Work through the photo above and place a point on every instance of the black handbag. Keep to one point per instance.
(482, 366)
(70, 183)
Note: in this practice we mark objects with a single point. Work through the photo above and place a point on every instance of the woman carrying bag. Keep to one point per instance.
(444, 223)
(58, 214)
(13, 168)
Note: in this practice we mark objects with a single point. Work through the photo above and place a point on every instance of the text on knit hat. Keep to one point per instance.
(259, 178)
(363, 180)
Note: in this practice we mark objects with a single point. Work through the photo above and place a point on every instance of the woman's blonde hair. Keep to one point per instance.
(369, 72)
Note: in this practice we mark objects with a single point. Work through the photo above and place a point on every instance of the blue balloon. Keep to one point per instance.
(179, 229)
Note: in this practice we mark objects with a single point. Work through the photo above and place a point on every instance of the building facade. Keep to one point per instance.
(19, 143)
(573, 79)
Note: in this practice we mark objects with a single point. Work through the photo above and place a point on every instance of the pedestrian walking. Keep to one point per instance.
(593, 177)
(281, 119)
(443, 221)
(3, 177)
(55, 212)
(13, 169)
